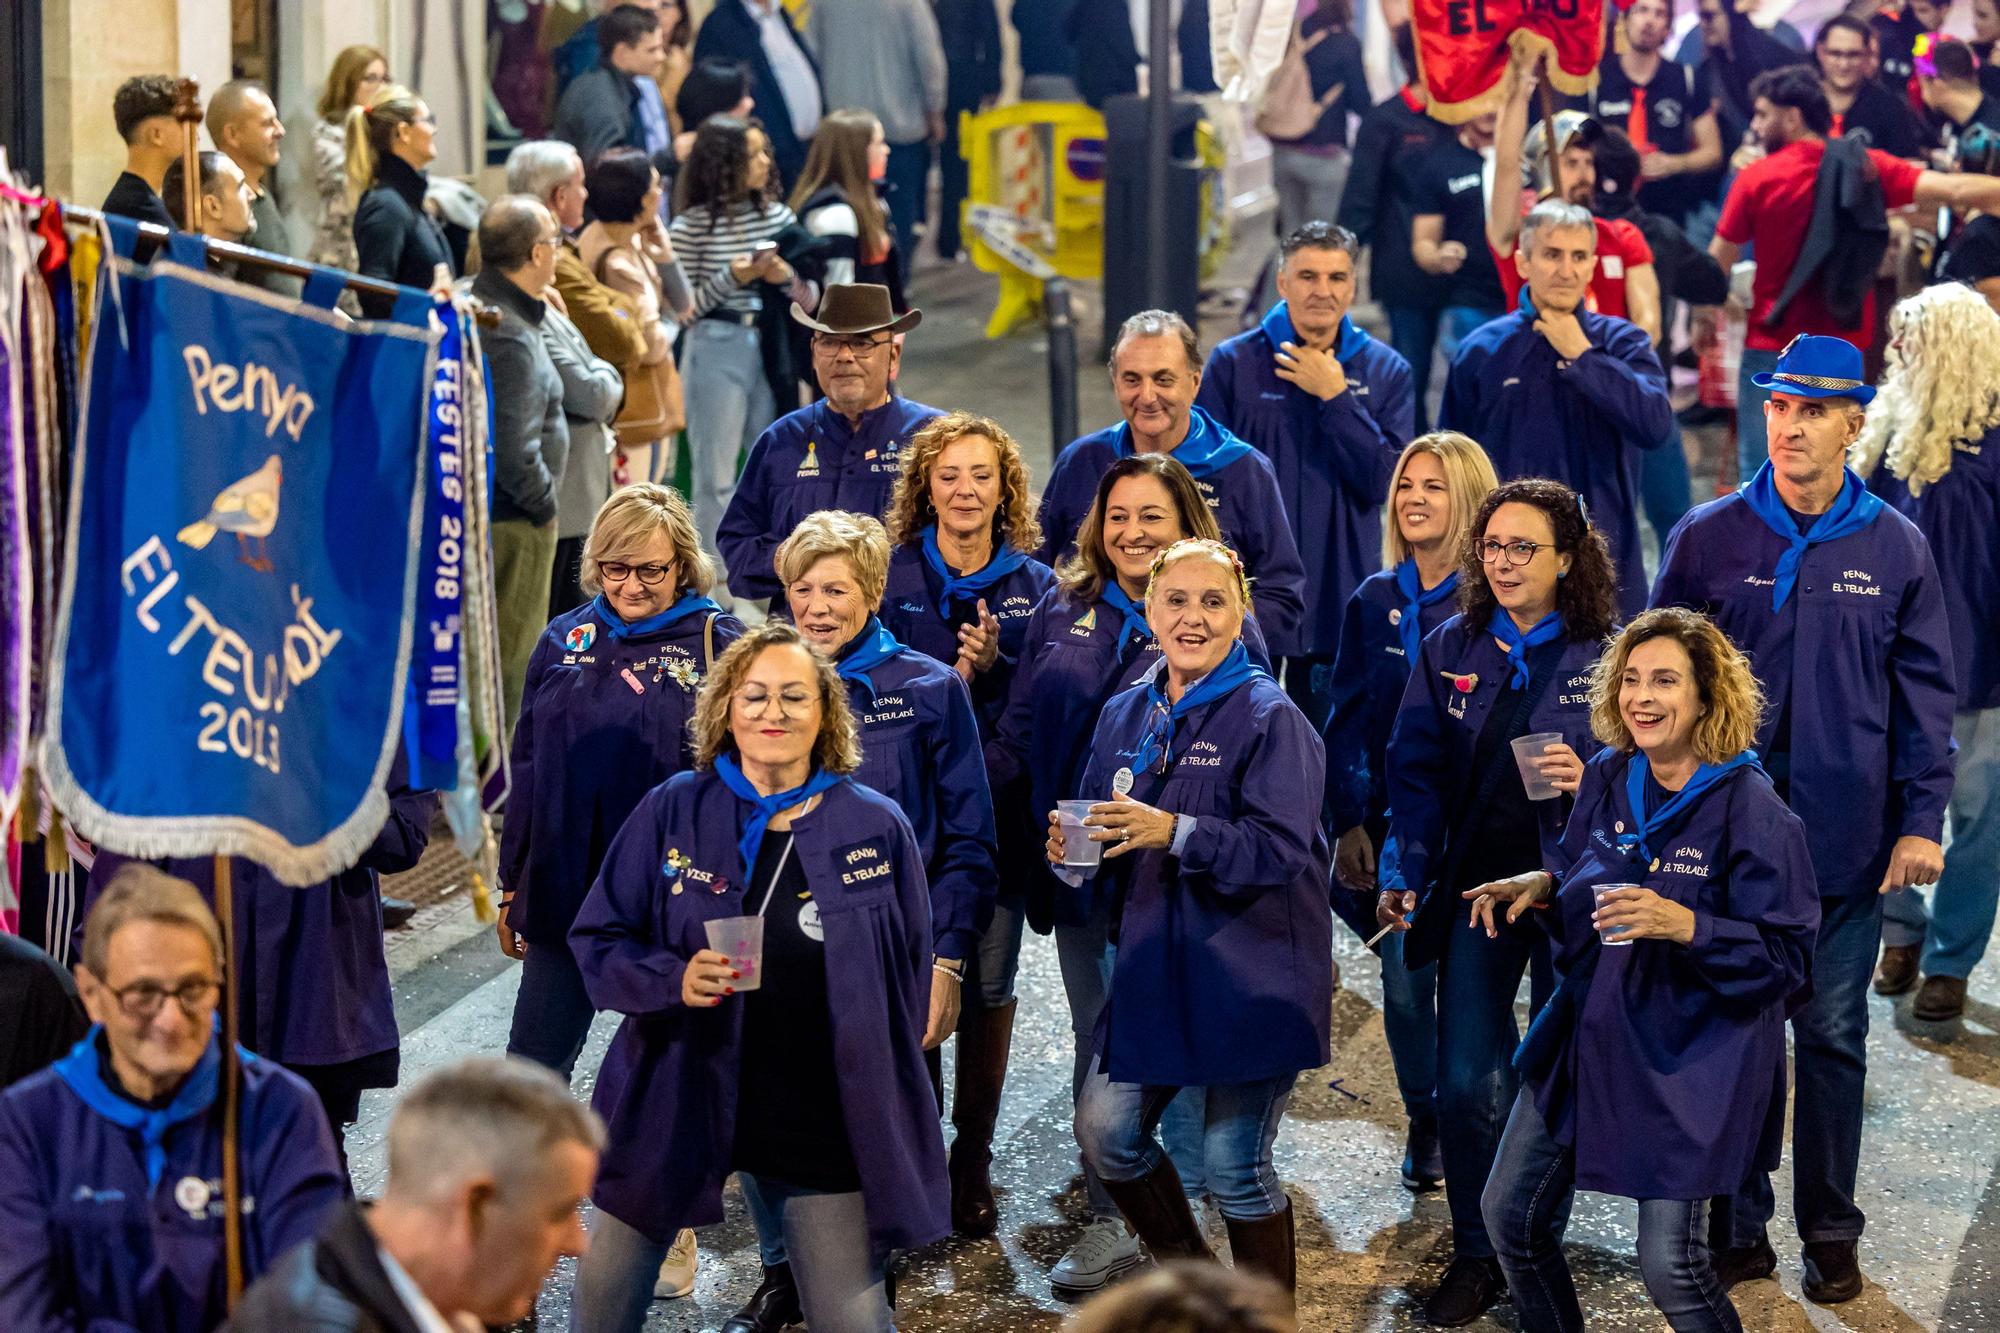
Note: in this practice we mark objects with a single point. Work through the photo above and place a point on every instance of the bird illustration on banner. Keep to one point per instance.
(248, 508)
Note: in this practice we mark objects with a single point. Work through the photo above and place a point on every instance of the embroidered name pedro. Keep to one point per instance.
(252, 687)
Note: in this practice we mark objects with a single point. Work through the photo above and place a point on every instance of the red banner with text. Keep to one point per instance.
(1463, 46)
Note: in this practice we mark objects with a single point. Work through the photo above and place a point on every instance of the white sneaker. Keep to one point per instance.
(1101, 1253)
(677, 1270)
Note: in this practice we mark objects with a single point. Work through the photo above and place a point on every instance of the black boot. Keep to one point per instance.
(1267, 1245)
(1423, 1156)
(1470, 1288)
(1832, 1272)
(984, 1036)
(773, 1306)
(1159, 1212)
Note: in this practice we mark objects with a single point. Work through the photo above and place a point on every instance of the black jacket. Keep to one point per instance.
(1107, 54)
(393, 237)
(40, 1017)
(970, 30)
(132, 197)
(1846, 238)
(1376, 204)
(334, 1283)
(730, 33)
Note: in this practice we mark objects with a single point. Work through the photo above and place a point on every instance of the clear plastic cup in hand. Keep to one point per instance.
(1611, 937)
(1528, 749)
(740, 939)
(1079, 852)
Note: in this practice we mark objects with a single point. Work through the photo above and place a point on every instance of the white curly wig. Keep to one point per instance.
(1937, 385)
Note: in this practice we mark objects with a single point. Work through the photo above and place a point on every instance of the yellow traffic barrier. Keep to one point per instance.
(1041, 164)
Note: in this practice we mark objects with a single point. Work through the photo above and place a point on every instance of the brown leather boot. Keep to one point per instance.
(1267, 1245)
(1158, 1210)
(1897, 972)
(984, 1036)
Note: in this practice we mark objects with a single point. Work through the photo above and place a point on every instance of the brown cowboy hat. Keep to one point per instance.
(857, 307)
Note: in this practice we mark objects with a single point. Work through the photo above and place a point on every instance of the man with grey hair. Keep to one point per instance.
(1554, 389)
(518, 244)
(612, 331)
(1156, 373)
(243, 123)
(111, 1160)
(489, 1162)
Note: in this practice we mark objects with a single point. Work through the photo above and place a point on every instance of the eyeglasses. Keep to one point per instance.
(617, 571)
(755, 701)
(142, 1000)
(427, 120)
(1517, 553)
(834, 344)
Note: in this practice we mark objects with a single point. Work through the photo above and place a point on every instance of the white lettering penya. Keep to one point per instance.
(250, 388)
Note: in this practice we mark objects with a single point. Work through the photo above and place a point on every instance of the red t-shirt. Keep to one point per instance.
(1769, 207)
(1620, 248)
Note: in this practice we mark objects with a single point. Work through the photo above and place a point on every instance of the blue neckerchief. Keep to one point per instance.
(1134, 613)
(764, 807)
(1644, 823)
(80, 1070)
(1157, 744)
(1004, 562)
(1278, 327)
(1546, 630)
(867, 650)
(1207, 449)
(1853, 509)
(1415, 598)
(1526, 305)
(689, 604)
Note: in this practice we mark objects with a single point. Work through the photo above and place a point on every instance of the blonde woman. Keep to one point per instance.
(1208, 781)
(358, 73)
(799, 1066)
(391, 140)
(604, 719)
(1684, 910)
(1934, 434)
(1436, 488)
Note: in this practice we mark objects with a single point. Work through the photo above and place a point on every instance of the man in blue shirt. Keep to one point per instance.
(1331, 408)
(1835, 597)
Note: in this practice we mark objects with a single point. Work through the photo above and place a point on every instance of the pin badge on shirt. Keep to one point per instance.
(1465, 684)
(1121, 781)
(632, 680)
(1395, 615)
(191, 1193)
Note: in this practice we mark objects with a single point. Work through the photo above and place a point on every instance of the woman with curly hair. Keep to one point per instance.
(798, 1064)
(1684, 908)
(729, 216)
(1537, 595)
(1935, 423)
(1206, 782)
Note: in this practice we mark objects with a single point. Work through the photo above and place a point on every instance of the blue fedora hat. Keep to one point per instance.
(1812, 366)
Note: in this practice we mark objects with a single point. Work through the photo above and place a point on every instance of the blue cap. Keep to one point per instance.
(1812, 366)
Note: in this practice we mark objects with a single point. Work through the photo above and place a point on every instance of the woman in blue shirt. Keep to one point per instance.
(1436, 488)
(1657, 1071)
(799, 1067)
(1537, 596)
(1211, 780)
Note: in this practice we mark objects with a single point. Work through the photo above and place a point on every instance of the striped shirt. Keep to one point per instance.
(706, 245)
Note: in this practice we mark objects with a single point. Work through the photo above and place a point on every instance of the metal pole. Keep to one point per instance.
(1159, 152)
(1062, 362)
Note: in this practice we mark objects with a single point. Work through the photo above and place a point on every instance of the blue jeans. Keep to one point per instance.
(1115, 1124)
(552, 1010)
(909, 178)
(1829, 1068)
(1527, 1202)
(1752, 442)
(825, 1238)
(1476, 982)
(1955, 930)
(1413, 332)
(1084, 953)
(1664, 487)
(1410, 1021)
(728, 405)
(1309, 682)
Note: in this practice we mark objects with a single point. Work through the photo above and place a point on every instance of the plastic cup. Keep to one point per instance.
(1605, 936)
(1527, 749)
(740, 939)
(1079, 851)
